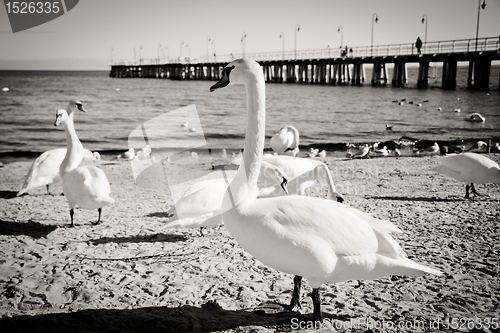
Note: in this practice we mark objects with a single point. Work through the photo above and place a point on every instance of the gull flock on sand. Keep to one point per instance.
(264, 206)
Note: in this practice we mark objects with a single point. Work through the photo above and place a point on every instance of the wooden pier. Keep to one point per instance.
(336, 67)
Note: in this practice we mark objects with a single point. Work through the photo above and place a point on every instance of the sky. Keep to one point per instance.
(86, 37)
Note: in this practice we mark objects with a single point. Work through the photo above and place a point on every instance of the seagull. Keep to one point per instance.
(361, 153)
(479, 146)
(431, 150)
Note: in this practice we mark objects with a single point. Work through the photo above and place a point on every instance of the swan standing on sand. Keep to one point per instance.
(286, 141)
(200, 205)
(45, 169)
(319, 239)
(83, 186)
(469, 168)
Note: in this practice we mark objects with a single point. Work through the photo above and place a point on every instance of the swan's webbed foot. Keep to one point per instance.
(472, 189)
(340, 199)
(99, 219)
(295, 302)
(317, 316)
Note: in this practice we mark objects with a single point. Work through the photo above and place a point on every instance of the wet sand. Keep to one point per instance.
(131, 274)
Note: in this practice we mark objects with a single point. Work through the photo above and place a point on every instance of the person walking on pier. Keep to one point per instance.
(418, 44)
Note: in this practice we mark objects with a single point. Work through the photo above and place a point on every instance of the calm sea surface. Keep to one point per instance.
(325, 115)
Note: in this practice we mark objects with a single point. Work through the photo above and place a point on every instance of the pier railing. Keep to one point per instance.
(447, 46)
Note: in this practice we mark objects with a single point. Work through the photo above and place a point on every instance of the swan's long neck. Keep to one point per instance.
(244, 185)
(74, 154)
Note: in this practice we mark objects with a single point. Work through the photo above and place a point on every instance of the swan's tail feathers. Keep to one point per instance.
(421, 269)
(26, 187)
(175, 224)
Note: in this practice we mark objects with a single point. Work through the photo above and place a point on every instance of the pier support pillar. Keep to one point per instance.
(379, 74)
(358, 74)
(449, 74)
(290, 73)
(423, 75)
(399, 74)
(479, 74)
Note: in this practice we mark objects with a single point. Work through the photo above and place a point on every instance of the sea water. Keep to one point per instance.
(325, 115)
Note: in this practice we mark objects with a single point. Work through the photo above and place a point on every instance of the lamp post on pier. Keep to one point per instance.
(159, 47)
(374, 20)
(424, 20)
(189, 52)
(168, 53)
(243, 37)
(297, 29)
(208, 40)
(479, 6)
(282, 36)
(140, 48)
(180, 55)
(112, 56)
(341, 30)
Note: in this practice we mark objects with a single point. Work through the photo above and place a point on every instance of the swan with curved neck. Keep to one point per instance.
(83, 186)
(286, 141)
(319, 239)
(200, 205)
(45, 169)
(469, 168)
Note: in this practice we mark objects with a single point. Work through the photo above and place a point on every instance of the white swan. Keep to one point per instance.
(200, 205)
(286, 141)
(303, 173)
(84, 186)
(322, 154)
(475, 117)
(45, 169)
(319, 239)
(469, 168)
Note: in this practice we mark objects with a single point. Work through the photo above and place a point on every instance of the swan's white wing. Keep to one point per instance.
(314, 237)
(44, 170)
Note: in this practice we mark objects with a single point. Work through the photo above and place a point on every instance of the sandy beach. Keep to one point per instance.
(131, 274)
